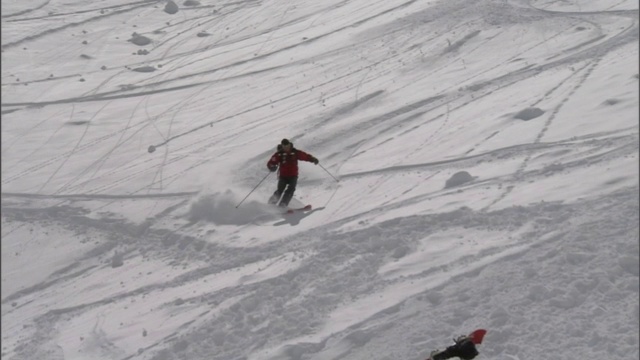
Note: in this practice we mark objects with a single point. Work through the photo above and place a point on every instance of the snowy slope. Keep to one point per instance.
(479, 168)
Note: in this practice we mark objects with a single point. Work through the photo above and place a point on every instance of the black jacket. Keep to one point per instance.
(465, 350)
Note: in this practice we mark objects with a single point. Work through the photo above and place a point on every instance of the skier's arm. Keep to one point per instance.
(273, 162)
(307, 157)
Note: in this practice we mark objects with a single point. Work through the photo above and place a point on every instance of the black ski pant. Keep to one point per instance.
(286, 185)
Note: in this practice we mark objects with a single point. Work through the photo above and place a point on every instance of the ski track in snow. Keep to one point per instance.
(126, 254)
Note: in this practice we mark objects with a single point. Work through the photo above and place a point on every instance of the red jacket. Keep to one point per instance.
(288, 161)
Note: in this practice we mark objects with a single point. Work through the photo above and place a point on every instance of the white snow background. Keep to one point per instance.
(485, 155)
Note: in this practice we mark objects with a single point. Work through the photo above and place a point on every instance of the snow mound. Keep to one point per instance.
(139, 40)
(145, 69)
(458, 179)
(529, 113)
(171, 7)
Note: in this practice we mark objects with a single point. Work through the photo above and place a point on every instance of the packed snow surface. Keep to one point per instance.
(478, 169)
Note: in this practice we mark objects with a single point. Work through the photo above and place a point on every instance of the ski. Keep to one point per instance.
(293, 210)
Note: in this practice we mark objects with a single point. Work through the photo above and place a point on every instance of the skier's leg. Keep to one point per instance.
(276, 195)
(274, 198)
(288, 194)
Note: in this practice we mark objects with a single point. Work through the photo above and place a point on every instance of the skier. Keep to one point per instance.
(286, 158)
(464, 348)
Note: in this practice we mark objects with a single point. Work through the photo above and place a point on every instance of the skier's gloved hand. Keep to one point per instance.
(460, 339)
(273, 168)
(315, 161)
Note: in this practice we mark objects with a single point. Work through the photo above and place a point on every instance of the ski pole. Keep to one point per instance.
(334, 178)
(254, 189)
